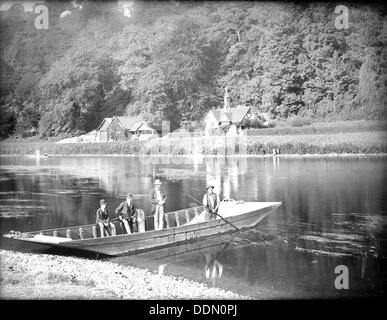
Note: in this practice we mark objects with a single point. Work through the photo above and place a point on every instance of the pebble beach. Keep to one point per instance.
(44, 276)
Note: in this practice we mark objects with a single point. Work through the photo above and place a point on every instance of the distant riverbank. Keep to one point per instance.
(373, 142)
(43, 276)
(254, 156)
(325, 138)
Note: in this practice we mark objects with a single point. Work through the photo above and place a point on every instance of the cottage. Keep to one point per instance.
(102, 130)
(227, 120)
(30, 132)
(124, 129)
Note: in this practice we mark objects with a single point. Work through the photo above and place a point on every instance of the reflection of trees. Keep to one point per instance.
(117, 176)
(313, 189)
(224, 175)
(214, 174)
(70, 197)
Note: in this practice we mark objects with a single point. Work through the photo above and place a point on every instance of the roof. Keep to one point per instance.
(131, 123)
(145, 126)
(104, 124)
(235, 115)
(136, 125)
(33, 129)
(126, 122)
(225, 116)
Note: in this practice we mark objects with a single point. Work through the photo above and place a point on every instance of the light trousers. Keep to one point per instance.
(159, 217)
(126, 225)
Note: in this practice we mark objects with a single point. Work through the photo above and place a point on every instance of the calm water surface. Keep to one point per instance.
(334, 213)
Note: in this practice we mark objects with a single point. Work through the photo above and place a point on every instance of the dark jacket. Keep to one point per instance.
(125, 211)
(102, 216)
(153, 199)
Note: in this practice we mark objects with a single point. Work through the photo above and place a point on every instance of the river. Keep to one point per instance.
(333, 213)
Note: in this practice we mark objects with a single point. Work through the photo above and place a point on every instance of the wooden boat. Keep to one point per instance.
(180, 227)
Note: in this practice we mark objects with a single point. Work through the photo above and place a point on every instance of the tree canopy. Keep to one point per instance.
(172, 61)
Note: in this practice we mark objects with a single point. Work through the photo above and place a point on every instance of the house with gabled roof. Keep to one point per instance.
(123, 128)
(229, 121)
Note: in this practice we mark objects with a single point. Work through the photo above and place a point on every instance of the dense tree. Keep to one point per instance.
(76, 90)
(172, 61)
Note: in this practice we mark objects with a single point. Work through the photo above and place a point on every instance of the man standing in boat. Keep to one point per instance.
(127, 213)
(211, 203)
(103, 220)
(158, 199)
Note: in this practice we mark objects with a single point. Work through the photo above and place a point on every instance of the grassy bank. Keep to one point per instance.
(366, 142)
(51, 148)
(42, 276)
(356, 137)
(353, 143)
(336, 127)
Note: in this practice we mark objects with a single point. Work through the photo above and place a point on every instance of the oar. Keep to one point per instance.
(214, 212)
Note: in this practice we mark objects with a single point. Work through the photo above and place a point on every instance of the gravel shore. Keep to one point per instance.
(43, 276)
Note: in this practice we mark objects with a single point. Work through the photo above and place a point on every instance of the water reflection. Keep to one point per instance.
(209, 253)
(224, 175)
(334, 211)
(213, 268)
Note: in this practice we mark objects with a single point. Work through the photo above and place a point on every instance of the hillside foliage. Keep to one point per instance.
(172, 60)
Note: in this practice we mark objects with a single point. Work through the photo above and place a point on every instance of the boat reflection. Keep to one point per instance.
(213, 268)
(212, 249)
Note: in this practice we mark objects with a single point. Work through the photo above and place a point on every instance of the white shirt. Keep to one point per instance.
(211, 200)
(158, 196)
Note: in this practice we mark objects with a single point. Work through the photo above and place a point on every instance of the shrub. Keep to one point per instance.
(299, 121)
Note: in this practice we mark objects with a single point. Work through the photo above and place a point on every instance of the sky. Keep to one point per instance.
(27, 5)
(125, 6)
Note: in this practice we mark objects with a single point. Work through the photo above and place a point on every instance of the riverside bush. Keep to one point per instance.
(322, 128)
(298, 121)
(364, 142)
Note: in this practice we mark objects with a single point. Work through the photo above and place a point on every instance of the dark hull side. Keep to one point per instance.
(134, 243)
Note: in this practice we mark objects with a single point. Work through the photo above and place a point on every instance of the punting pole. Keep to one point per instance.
(215, 213)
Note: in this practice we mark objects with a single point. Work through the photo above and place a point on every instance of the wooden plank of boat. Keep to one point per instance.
(241, 214)
(50, 239)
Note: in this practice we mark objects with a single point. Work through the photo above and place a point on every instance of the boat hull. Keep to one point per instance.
(252, 214)
(126, 244)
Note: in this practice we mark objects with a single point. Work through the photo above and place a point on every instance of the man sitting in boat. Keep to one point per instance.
(103, 220)
(211, 203)
(158, 199)
(127, 214)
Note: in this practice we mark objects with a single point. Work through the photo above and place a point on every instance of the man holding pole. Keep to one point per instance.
(211, 203)
(158, 199)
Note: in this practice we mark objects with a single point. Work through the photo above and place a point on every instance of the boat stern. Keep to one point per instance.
(37, 238)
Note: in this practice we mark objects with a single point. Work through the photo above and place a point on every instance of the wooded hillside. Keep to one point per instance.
(172, 60)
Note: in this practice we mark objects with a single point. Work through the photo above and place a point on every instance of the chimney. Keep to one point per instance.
(225, 99)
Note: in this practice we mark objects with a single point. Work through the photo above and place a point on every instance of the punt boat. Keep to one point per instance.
(181, 226)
